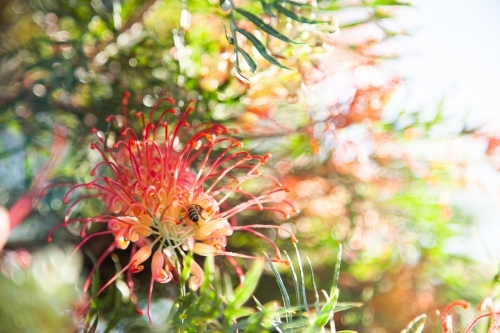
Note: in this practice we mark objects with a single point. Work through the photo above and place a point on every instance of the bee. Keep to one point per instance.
(194, 212)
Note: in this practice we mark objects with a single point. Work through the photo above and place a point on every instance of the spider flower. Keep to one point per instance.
(170, 188)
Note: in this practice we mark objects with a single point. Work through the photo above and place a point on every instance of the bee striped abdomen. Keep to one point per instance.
(194, 212)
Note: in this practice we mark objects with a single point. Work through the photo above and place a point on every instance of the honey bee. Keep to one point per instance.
(194, 212)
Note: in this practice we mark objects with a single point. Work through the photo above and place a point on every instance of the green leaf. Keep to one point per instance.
(327, 311)
(390, 3)
(301, 271)
(330, 308)
(243, 312)
(281, 285)
(298, 289)
(228, 288)
(264, 27)
(186, 269)
(346, 305)
(251, 63)
(260, 47)
(267, 8)
(336, 273)
(237, 63)
(232, 26)
(93, 327)
(244, 292)
(416, 325)
(316, 295)
(295, 325)
(259, 306)
(296, 17)
(209, 270)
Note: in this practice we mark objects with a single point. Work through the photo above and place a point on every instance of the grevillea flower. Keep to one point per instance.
(169, 189)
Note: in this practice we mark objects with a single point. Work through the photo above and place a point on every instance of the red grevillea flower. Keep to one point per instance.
(168, 189)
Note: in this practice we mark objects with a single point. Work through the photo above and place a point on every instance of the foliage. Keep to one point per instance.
(305, 80)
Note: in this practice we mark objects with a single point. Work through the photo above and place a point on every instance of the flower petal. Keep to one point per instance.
(222, 226)
(216, 240)
(159, 274)
(197, 277)
(204, 249)
(137, 230)
(138, 258)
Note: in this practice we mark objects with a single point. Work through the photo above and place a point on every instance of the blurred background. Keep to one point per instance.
(451, 61)
(385, 129)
